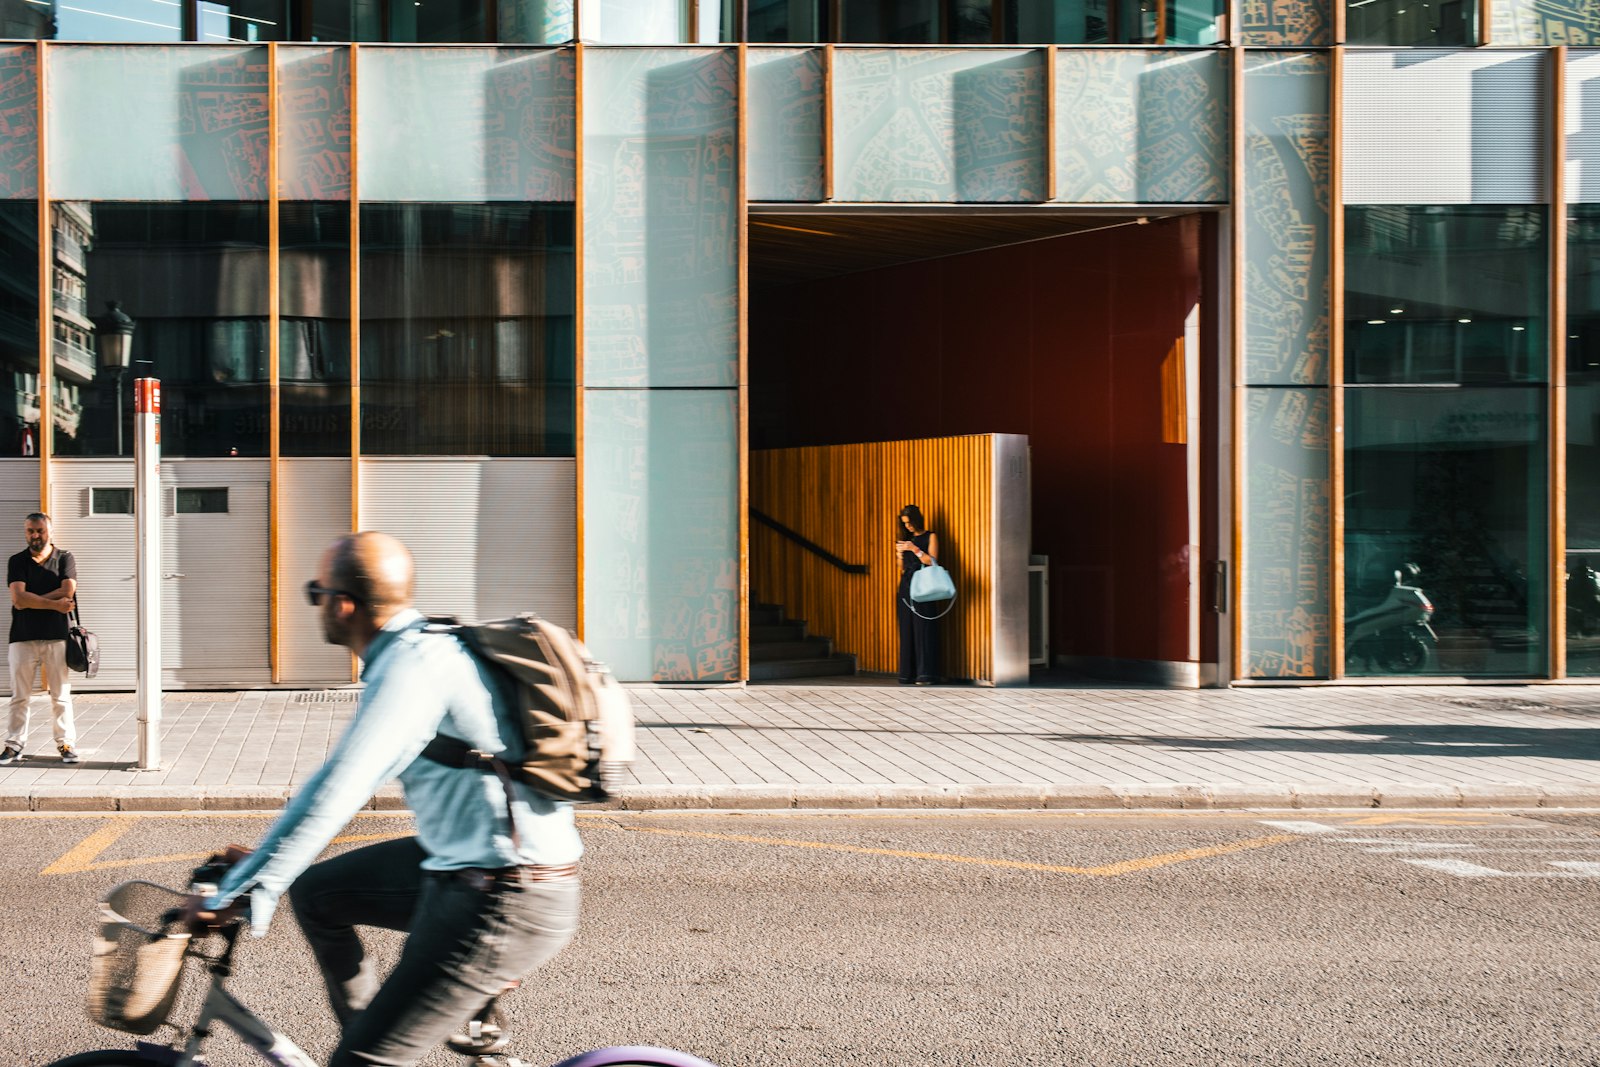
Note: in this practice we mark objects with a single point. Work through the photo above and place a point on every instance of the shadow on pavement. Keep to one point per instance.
(1381, 740)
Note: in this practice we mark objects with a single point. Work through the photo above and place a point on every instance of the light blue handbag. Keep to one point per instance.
(931, 584)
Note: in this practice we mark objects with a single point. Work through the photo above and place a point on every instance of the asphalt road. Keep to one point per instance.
(786, 940)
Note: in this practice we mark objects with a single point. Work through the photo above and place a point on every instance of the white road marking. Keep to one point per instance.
(1463, 869)
(1301, 827)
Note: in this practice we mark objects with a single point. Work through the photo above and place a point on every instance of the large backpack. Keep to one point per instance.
(573, 714)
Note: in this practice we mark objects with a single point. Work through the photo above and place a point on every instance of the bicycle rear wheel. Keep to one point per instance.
(110, 1057)
(630, 1056)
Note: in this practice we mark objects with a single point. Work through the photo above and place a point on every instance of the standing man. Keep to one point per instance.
(486, 893)
(43, 581)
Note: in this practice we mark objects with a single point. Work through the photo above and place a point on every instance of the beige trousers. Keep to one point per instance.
(50, 657)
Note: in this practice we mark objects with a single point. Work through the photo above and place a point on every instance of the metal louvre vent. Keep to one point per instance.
(329, 696)
(1426, 126)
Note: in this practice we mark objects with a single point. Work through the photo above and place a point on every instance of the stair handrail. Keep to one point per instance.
(807, 544)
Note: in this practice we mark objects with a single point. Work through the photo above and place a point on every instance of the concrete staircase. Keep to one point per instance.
(780, 648)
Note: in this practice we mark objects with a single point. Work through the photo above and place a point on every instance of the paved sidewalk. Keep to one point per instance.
(830, 746)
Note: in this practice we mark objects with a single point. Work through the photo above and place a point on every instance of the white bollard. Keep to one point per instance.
(147, 526)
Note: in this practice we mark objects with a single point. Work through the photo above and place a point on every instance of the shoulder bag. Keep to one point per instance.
(929, 585)
(83, 647)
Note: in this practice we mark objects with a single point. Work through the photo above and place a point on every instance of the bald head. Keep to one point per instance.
(375, 569)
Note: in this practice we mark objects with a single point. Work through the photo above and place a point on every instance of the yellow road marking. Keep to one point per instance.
(86, 850)
(81, 858)
(1110, 870)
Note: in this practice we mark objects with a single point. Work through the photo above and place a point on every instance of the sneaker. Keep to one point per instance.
(11, 754)
(67, 754)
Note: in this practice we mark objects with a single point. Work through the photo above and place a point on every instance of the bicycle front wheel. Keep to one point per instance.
(110, 1057)
(631, 1056)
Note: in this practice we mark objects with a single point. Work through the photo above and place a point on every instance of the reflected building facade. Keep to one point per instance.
(481, 274)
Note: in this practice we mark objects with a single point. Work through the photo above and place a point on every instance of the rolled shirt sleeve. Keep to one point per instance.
(399, 713)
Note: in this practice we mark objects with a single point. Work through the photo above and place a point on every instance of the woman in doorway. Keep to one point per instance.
(919, 637)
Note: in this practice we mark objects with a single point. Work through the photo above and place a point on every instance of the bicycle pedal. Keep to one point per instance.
(481, 1038)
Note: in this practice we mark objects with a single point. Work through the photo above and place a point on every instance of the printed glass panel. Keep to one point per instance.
(466, 125)
(151, 123)
(1286, 23)
(660, 531)
(1447, 487)
(939, 126)
(784, 124)
(661, 223)
(1445, 294)
(536, 21)
(467, 337)
(193, 278)
(1539, 23)
(1287, 554)
(19, 333)
(1141, 127)
(314, 329)
(1285, 200)
(19, 119)
(313, 123)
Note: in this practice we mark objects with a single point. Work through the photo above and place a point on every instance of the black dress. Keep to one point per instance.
(919, 637)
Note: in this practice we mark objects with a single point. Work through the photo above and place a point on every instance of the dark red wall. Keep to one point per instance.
(1062, 340)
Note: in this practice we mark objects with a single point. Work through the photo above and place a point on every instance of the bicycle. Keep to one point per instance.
(138, 966)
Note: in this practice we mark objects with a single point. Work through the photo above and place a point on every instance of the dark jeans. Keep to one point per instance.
(919, 637)
(465, 945)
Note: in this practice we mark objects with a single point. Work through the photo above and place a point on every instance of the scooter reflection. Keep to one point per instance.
(1394, 635)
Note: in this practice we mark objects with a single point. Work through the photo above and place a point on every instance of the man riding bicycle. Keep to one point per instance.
(486, 893)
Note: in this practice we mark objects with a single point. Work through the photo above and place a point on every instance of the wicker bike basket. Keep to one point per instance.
(138, 962)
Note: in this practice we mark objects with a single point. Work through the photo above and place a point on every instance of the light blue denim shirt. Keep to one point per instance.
(417, 684)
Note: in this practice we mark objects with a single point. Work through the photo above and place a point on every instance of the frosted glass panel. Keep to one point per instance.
(140, 122)
(1285, 202)
(1141, 127)
(939, 126)
(466, 124)
(784, 125)
(661, 217)
(314, 123)
(661, 532)
(634, 21)
(1287, 534)
(19, 116)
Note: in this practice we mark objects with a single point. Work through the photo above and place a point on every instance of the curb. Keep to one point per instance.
(1030, 797)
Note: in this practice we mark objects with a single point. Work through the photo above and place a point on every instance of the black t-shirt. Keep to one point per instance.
(39, 624)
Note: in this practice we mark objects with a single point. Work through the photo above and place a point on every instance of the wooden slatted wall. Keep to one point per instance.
(845, 499)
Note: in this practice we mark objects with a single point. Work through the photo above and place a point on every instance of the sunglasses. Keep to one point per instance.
(315, 593)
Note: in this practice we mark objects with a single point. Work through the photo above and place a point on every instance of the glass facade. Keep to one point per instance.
(1410, 23)
(1583, 439)
(193, 279)
(19, 337)
(467, 343)
(314, 329)
(1446, 447)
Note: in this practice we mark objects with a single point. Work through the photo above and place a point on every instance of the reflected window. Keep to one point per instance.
(190, 279)
(635, 21)
(19, 338)
(1406, 22)
(244, 20)
(1447, 488)
(1583, 439)
(314, 329)
(467, 343)
(112, 20)
(798, 21)
(891, 22)
(1445, 294)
